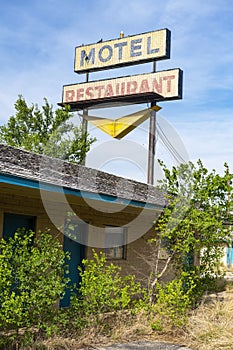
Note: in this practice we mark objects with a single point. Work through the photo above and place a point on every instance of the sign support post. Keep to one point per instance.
(152, 141)
(85, 122)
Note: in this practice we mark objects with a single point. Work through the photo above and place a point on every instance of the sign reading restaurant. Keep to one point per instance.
(159, 86)
(124, 51)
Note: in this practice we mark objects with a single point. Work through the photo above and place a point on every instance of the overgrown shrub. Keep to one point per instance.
(31, 281)
(103, 289)
(172, 304)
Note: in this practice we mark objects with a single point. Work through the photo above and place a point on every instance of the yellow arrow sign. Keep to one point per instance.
(120, 127)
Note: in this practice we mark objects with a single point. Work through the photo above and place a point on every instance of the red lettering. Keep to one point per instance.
(157, 86)
(131, 87)
(168, 79)
(123, 88)
(117, 89)
(109, 91)
(69, 97)
(89, 92)
(99, 89)
(144, 87)
(80, 93)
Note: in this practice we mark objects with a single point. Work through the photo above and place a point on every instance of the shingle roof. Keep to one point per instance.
(31, 166)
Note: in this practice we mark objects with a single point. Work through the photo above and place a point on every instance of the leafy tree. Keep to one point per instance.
(193, 226)
(46, 131)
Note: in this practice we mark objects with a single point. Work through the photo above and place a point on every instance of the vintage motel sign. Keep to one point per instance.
(124, 51)
(144, 88)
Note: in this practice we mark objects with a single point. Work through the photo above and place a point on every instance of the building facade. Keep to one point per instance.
(82, 207)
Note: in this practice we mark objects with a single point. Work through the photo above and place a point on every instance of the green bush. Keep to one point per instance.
(172, 304)
(103, 289)
(31, 281)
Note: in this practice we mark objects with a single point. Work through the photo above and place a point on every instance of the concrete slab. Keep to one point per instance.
(143, 345)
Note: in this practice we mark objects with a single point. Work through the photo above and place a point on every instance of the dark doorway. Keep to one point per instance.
(72, 239)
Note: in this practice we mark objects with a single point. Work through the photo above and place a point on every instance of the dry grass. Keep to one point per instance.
(121, 327)
(114, 328)
(211, 325)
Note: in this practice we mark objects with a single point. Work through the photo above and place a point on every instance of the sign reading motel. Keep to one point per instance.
(124, 51)
(158, 86)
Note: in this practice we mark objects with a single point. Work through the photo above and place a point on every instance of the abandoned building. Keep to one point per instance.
(108, 213)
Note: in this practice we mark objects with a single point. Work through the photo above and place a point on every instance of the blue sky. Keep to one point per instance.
(38, 38)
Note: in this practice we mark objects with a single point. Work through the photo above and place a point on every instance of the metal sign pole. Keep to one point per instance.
(151, 145)
(85, 122)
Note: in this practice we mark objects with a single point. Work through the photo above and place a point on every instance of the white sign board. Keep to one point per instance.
(124, 51)
(159, 86)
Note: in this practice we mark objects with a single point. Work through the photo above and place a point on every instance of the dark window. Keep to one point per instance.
(115, 242)
(12, 222)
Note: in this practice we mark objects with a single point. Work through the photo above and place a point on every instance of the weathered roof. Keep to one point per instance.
(27, 165)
